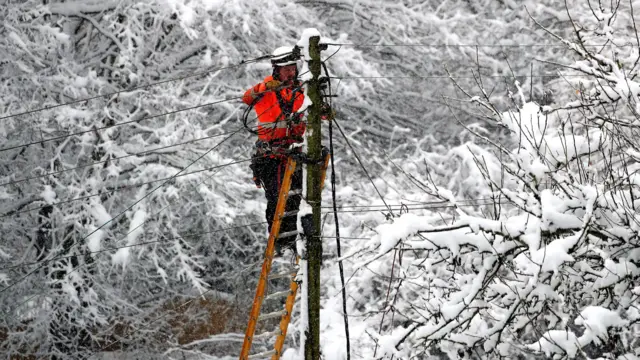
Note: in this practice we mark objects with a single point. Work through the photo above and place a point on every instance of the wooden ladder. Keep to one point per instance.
(261, 290)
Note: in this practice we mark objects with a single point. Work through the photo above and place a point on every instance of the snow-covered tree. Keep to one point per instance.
(538, 257)
(103, 251)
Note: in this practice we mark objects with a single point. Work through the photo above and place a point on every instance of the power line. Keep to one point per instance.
(413, 208)
(122, 188)
(243, 62)
(129, 155)
(345, 238)
(125, 235)
(129, 186)
(402, 205)
(338, 244)
(110, 159)
(414, 204)
(353, 151)
(458, 77)
(132, 245)
(115, 125)
(130, 122)
(146, 195)
(125, 210)
(427, 205)
(473, 45)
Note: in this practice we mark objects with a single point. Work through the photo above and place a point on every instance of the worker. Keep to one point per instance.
(276, 101)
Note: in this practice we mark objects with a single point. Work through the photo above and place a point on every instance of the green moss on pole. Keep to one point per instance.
(314, 242)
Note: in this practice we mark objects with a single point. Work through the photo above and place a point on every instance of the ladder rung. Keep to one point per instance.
(266, 335)
(281, 275)
(295, 192)
(278, 294)
(273, 315)
(287, 234)
(262, 355)
(284, 265)
(290, 213)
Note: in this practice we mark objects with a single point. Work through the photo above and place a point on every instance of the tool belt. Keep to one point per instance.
(278, 147)
(265, 151)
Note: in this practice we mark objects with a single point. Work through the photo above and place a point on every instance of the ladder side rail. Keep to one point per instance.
(286, 318)
(266, 265)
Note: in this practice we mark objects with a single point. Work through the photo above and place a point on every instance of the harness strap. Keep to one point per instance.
(286, 108)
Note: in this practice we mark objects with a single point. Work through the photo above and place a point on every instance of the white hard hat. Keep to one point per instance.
(284, 56)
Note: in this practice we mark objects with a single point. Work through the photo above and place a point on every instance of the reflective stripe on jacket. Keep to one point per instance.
(272, 124)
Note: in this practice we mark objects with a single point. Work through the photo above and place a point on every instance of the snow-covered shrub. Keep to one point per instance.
(550, 266)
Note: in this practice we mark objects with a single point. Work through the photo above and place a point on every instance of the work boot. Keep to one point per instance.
(285, 243)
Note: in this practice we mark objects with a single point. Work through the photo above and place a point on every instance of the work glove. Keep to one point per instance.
(272, 84)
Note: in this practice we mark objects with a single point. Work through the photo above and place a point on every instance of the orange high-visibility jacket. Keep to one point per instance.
(271, 120)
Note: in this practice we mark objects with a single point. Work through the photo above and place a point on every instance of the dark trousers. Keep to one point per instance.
(270, 172)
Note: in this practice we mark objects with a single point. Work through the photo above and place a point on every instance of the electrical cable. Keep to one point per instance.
(124, 236)
(146, 195)
(115, 125)
(398, 206)
(242, 63)
(114, 248)
(346, 238)
(96, 129)
(416, 205)
(132, 245)
(338, 248)
(120, 188)
(415, 208)
(13, 182)
(125, 210)
(457, 76)
(13, 212)
(362, 165)
(247, 110)
(472, 45)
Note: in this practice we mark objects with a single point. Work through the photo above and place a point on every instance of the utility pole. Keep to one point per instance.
(314, 169)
